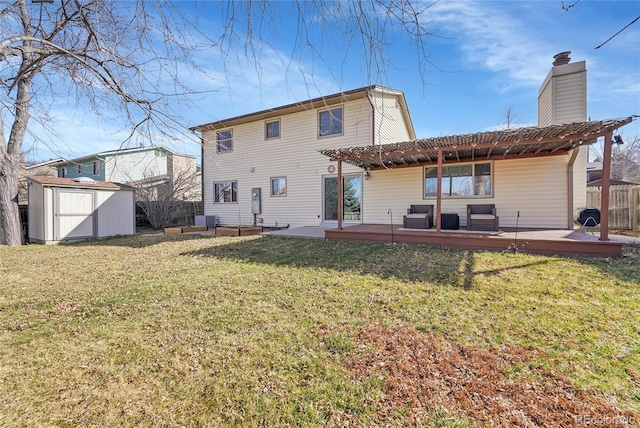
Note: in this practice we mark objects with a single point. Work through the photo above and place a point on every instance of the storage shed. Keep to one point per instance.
(64, 209)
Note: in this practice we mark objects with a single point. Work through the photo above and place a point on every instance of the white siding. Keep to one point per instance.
(570, 98)
(116, 213)
(544, 105)
(36, 212)
(535, 187)
(294, 155)
(562, 97)
(393, 189)
(389, 126)
(580, 180)
(127, 167)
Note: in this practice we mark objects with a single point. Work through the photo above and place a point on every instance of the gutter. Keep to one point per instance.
(572, 160)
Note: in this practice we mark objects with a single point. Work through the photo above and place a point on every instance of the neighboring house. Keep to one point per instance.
(367, 138)
(43, 169)
(594, 172)
(144, 167)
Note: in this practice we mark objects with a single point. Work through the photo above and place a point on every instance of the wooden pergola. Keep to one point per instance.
(507, 144)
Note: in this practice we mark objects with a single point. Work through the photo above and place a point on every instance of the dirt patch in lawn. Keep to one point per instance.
(496, 387)
(626, 232)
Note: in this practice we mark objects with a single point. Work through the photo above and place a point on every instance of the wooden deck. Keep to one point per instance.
(552, 242)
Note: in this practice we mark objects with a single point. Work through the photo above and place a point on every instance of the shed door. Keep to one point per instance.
(74, 214)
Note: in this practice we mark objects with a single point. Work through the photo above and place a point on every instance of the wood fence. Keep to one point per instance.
(188, 211)
(624, 205)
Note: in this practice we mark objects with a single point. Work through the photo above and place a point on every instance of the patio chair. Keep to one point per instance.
(418, 217)
(482, 217)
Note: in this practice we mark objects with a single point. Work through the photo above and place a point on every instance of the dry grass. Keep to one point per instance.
(200, 331)
(626, 232)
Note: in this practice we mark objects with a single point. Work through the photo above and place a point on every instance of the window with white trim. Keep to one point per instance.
(272, 129)
(279, 186)
(63, 172)
(224, 141)
(469, 180)
(80, 169)
(225, 191)
(330, 122)
(96, 168)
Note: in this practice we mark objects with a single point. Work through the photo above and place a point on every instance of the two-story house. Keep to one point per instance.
(265, 167)
(143, 167)
(283, 165)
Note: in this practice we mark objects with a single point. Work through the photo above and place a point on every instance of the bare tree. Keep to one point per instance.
(130, 55)
(509, 117)
(625, 158)
(162, 200)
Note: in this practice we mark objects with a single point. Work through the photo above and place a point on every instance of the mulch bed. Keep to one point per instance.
(423, 372)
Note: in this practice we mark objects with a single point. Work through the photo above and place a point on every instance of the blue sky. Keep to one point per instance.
(487, 56)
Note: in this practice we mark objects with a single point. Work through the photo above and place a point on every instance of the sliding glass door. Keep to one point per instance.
(352, 194)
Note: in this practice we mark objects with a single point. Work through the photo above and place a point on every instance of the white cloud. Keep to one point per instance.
(491, 36)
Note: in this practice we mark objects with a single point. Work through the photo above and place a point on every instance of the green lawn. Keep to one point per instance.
(197, 331)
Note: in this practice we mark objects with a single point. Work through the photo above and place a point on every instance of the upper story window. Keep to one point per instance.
(330, 122)
(224, 141)
(461, 180)
(225, 191)
(63, 172)
(96, 168)
(272, 129)
(80, 169)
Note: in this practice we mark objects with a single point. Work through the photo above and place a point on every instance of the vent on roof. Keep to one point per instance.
(87, 180)
(562, 58)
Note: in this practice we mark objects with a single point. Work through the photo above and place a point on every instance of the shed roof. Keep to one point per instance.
(70, 182)
(506, 144)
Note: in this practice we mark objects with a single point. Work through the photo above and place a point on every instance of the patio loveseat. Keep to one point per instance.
(418, 217)
(482, 217)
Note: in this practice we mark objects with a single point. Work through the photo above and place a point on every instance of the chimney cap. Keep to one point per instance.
(562, 58)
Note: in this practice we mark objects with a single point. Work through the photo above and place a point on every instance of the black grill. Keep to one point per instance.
(589, 217)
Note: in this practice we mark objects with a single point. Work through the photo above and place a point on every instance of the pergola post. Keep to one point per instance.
(340, 195)
(606, 181)
(439, 193)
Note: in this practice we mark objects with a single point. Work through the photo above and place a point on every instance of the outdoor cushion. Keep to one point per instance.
(483, 216)
(418, 215)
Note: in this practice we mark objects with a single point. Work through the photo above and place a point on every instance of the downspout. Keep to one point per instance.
(202, 170)
(340, 195)
(572, 160)
(439, 192)
(604, 196)
(373, 118)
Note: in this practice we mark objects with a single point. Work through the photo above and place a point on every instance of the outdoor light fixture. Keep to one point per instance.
(617, 140)
(366, 174)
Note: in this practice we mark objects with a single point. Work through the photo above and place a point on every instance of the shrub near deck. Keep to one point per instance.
(190, 330)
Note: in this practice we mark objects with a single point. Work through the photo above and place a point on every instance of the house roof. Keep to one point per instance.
(108, 153)
(506, 144)
(50, 162)
(70, 182)
(314, 103)
(598, 183)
